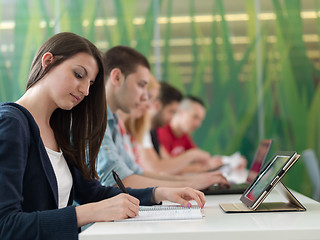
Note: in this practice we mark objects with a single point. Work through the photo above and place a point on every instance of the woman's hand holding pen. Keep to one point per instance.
(180, 195)
(125, 206)
(177, 195)
(119, 207)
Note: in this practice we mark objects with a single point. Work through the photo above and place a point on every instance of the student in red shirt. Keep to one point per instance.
(161, 111)
(174, 144)
(175, 138)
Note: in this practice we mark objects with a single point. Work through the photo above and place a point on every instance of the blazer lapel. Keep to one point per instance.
(48, 169)
(45, 161)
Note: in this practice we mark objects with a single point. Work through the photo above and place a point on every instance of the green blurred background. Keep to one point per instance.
(254, 62)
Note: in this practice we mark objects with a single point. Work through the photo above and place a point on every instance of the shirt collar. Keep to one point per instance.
(112, 118)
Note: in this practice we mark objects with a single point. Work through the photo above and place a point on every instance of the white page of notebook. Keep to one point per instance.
(166, 212)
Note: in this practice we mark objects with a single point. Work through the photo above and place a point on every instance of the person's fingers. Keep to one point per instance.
(196, 196)
(202, 198)
(219, 178)
(131, 205)
(127, 197)
(183, 202)
(223, 182)
(133, 210)
(215, 173)
(179, 196)
(191, 194)
(134, 200)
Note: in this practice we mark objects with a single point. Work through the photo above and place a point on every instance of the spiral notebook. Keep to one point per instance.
(166, 212)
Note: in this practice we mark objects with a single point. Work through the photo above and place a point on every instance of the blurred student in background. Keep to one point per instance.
(135, 125)
(127, 77)
(175, 138)
(161, 111)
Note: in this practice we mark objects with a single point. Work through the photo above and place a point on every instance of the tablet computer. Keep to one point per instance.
(263, 184)
(269, 176)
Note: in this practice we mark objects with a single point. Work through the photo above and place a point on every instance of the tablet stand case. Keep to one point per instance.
(292, 205)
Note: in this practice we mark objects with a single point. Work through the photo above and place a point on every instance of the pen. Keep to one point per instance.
(118, 181)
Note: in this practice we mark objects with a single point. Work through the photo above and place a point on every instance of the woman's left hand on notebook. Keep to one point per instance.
(180, 195)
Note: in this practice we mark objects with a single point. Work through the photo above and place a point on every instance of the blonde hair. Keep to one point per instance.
(137, 127)
(153, 83)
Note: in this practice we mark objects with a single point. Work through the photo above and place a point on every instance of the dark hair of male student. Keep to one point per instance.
(125, 58)
(195, 100)
(169, 94)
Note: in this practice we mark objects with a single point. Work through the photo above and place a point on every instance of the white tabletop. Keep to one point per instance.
(219, 225)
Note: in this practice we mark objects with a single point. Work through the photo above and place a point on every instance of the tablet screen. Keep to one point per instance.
(266, 177)
(259, 158)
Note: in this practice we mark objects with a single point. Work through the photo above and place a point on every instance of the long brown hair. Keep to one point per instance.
(79, 131)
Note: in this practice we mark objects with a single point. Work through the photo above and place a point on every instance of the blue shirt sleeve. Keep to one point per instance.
(113, 156)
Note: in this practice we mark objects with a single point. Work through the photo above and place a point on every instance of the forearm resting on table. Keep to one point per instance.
(167, 164)
(85, 214)
(138, 181)
(164, 176)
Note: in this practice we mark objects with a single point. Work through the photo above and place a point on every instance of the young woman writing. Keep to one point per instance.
(49, 140)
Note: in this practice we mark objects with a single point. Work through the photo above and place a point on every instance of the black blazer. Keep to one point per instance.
(28, 186)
